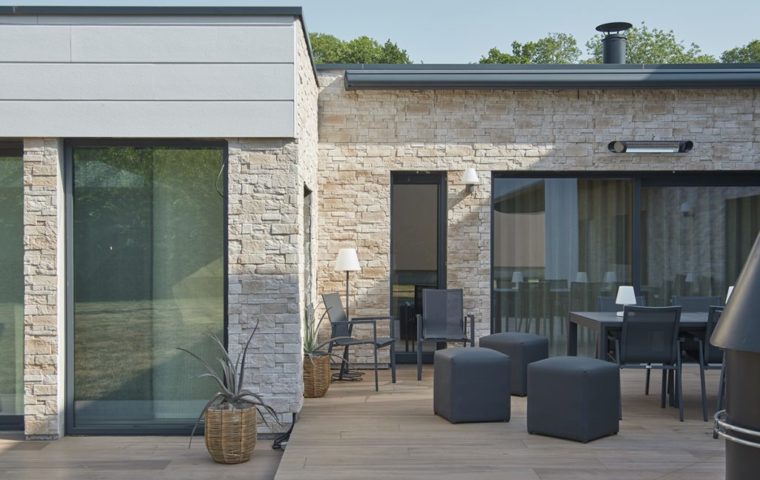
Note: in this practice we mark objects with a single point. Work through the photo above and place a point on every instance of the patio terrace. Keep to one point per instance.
(355, 433)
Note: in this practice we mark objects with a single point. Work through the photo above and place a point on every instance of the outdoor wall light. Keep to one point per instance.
(650, 146)
(470, 179)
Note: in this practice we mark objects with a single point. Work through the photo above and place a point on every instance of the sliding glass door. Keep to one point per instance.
(566, 243)
(147, 275)
(559, 244)
(11, 286)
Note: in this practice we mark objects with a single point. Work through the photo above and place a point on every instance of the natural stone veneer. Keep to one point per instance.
(266, 180)
(42, 337)
(367, 134)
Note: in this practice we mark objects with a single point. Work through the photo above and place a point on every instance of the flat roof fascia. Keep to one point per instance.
(296, 12)
(547, 76)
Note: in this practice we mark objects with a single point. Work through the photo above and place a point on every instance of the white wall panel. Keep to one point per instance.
(77, 81)
(146, 119)
(173, 44)
(34, 43)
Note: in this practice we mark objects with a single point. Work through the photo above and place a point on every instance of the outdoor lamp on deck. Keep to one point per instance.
(517, 277)
(347, 261)
(581, 277)
(625, 296)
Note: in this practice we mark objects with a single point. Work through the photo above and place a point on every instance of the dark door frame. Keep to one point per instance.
(438, 178)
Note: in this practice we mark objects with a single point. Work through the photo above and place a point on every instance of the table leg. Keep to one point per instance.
(572, 338)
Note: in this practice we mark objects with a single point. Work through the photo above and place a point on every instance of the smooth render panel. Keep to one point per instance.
(155, 20)
(228, 44)
(45, 81)
(147, 119)
(34, 43)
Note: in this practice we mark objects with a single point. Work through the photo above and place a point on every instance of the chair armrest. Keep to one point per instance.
(472, 329)
(368, 319)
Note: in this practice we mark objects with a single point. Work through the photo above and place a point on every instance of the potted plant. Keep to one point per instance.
(231, 414)
(316, 361)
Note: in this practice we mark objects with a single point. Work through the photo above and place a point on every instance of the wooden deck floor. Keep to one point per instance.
(125, 458)
(355, 433)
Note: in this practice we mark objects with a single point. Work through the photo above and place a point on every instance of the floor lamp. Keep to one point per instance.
(347, 261)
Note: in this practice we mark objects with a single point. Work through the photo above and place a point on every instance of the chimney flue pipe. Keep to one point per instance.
(614, 41)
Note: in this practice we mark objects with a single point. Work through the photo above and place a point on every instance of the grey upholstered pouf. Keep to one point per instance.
(522, 348)
(576, 398)
(470, 385)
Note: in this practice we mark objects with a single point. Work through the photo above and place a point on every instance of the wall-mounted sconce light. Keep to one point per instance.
(470, 179)
(650, 146)
(685, 209)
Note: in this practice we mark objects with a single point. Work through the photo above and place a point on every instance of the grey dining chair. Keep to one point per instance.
(342, 331)
(695, 304)
(649, 339)
(711, 358)
(443, 321)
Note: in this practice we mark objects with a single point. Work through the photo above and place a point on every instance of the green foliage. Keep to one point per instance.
(552, 49)
(652, 46)
(330, 49)
(749, 53)
(311, 345)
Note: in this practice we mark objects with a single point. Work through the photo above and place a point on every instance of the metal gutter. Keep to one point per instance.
(359, 77)
(199, 11)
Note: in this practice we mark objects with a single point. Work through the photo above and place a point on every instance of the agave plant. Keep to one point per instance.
(231, 393)
(311, 345)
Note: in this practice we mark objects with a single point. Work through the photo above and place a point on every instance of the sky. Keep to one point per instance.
(448, 31)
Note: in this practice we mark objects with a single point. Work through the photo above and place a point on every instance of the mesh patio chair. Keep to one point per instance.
(442, 321)
(710, 358)
(649, 339)
(695, 304)
(343, 333)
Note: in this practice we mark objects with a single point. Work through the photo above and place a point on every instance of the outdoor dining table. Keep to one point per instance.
(604, 323)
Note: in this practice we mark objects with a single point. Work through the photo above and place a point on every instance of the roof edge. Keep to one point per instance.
(151, 10)
(549, 76)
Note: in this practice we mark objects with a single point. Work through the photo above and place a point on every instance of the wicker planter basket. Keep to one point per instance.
(230, 434)
(316, 375)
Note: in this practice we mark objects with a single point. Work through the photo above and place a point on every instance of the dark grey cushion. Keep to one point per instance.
(469, 385)
(523, 349)
(573, 397)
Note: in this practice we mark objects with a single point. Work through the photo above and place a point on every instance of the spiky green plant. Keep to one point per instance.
(311, 345)
(231, 393)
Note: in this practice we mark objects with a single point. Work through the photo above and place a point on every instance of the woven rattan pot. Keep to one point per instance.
(230, 434)
(316, 375)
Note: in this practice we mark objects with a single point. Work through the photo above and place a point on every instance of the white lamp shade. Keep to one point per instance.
(517, 277)
(347, 261)
(581, 277)
(625, 295)
(689, 278)
(470, 177)
(730, 291)
(610, 277)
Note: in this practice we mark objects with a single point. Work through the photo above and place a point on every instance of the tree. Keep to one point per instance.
(749, 53)
(554, 48)
(652, 46)
(330, 49)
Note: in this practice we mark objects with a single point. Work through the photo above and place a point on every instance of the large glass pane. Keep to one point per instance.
(415, 232)
(148, 272)
(559, 244)
(11, 284)
(695, 240)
